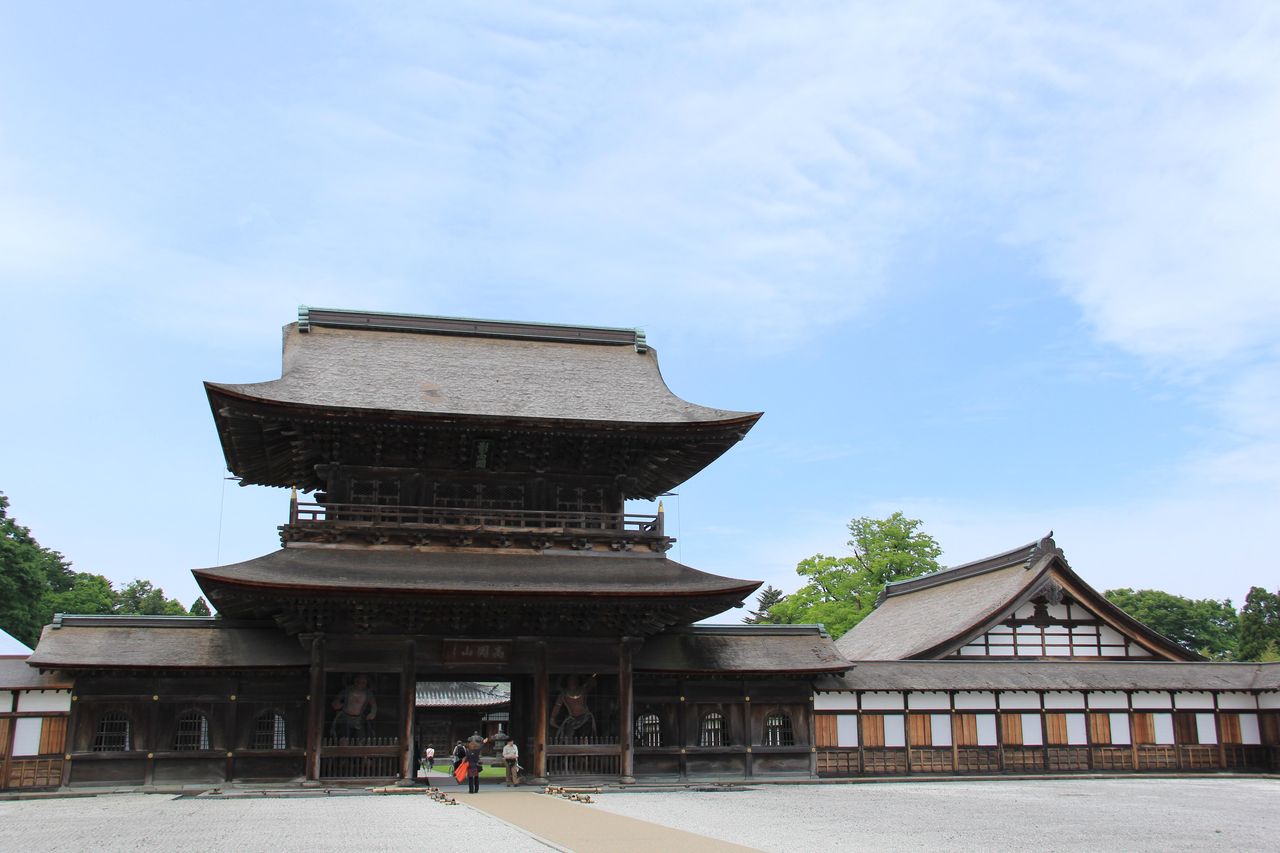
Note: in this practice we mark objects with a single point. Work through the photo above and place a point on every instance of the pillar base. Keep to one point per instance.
(311, 783)
(628, 780)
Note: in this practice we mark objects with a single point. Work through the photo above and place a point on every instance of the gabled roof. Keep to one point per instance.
(931, 616)
(741, 649)
(459, 694)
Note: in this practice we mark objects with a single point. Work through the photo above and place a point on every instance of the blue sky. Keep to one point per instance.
(1006, 267)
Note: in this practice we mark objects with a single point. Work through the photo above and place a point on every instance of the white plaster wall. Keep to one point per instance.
(987, 730)
(1184, 701)
(846, 730)
(44, 700)
(6, 700)
(26, 736)
(1237, 701)
(928, 701)
(1163, 724)
(882, 702)
(1249, 732)
(1269, 701)
(835, 702)
(1063, 700)
(1143, 699)
(1206, 730)
(1077, 730)
(1019, 700)
(1031, 733)
(969, 701)
(1120, 734)
(895, 730)
(940, 729)
(1108, 699)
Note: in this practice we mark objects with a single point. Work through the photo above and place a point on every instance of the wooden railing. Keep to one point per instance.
(502, 519)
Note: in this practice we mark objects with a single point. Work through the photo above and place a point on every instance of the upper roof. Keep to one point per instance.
(1055, 675)
(163, 642)
(459, 694)
(440, 366)
(741, 650)
(930, 616)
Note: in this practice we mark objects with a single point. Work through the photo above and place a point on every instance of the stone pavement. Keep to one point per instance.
(583, 828)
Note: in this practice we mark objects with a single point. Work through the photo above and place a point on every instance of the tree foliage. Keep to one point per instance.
(1206, 625)
(841, 591)
(199, 607)
(1259, 626)
(765, 601)
(36, 582)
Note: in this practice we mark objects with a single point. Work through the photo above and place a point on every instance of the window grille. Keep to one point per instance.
(648, 730)
(192, 732)
(711, 731)
(777, 731)
(269, 731)
(113, 733)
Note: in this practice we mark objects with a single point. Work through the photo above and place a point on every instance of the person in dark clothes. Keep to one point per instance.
(459, 755)
(473, 767)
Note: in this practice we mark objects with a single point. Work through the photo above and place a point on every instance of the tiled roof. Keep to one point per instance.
(16, 674)
(459, 694)
(186, 642)
(741, 649)
(1054, 675)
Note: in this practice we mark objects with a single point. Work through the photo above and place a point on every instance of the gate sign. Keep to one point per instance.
(477, 651)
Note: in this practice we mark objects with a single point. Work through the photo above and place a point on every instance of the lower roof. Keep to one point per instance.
(15, 674)
(1054, 675)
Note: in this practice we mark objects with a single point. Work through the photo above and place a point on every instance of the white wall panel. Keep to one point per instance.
(1249, 732)
(44, 700)
(940, 729)
(895, 730)
(1031, 733)
(1237, 701)
(1269, 700)
(973, 700)
(1206, 730)
(26, 736)
(1183, 700)
(1143, 699)
(1108, 699)
(929, 701)
(1019, 700)
(6, 701)
(882, 702)
(1163, 725)
(835, 702)
(1062, 699)
(987, 730)
(846, 730)
(1120, 730)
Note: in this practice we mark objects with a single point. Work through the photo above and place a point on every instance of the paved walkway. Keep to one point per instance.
(583, 828)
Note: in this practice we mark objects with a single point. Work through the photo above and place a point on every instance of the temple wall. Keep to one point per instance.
(896, 733)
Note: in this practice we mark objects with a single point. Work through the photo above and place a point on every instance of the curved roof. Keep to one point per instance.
(495, 574)
(486, 375)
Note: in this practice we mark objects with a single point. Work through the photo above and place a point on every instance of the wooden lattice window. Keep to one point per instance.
(114, 733)
(192, 732)
(648, 730)
(270, 731)
(711, 730)
(778, 731)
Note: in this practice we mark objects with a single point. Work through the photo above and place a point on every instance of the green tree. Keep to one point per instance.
(1259, 624)
(26, 572)
(87, 594)
(142, 598)
(199, 607)
(1205, 625)
(768, 597)
(841, 591)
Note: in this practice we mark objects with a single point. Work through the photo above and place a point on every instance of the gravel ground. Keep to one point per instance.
(1024, 814)
(352, 824)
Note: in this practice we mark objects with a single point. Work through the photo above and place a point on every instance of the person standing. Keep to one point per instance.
(473, 767)
(459, 755)
(511, 756)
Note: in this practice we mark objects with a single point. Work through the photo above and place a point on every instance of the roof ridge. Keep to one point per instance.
(1026, 554)
(387, 321)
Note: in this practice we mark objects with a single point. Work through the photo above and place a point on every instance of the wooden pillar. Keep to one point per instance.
(541, 698)
(315, 709)
(6, 764)
(153, 736)
(232, 731)
(73, 721)
(682, 726)
(813, 735)
(626, 710)
(408, 703)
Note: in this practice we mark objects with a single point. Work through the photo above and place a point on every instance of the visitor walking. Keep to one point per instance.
(459, 755)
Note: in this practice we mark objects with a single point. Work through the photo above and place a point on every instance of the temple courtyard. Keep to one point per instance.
(1042, 814)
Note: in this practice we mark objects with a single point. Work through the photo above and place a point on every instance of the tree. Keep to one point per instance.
(1206, 625)
(142, 598)
(26, 572)
(199, 607)
(1259, 624)
(841, 591)
(769, 596)
(87, 594)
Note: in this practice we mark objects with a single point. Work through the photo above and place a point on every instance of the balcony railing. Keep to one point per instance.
(462, 526)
